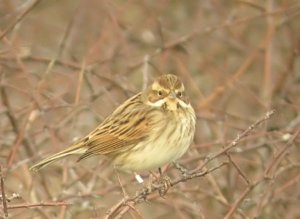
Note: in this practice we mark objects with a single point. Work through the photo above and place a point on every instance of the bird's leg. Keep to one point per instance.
(147, 186)
(161, 183)
(160, 171)
(152, 179)
(152, 182)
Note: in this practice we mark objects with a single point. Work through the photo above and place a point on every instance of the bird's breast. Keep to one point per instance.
(167, 142)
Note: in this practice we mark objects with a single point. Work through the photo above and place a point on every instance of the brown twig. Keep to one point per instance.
(126, 203)
(235, 142)
(3, 195)
(80, 80)
(238, 168)
(264, 177)
(18, 19)
(16, 129)
(188, 37)
(41, 204)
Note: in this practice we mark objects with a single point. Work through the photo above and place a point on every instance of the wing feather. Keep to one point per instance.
(128, 125)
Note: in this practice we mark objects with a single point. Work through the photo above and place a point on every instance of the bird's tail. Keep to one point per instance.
(76, 148)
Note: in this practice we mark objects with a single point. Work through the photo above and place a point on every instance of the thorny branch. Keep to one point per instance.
(162, 187)
(263, 178)
(238, 138)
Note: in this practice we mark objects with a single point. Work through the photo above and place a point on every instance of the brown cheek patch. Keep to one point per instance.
(153, 98)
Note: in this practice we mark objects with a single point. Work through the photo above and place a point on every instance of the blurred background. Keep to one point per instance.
(65, 65)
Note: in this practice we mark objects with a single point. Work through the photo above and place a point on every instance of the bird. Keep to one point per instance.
(152, 128)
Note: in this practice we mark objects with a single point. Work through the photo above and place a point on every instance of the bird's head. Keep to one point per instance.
(167, 92)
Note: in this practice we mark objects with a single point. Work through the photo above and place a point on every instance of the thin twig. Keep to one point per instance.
(128, 202)
(12, 25)
(264, 177)
(80, 80)
(41, 204)
(238, 168)
(14, 124)
(238, 138)
(204, 31)
(146, 72)
(3, 195)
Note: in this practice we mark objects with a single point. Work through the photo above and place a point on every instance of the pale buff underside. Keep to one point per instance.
(172, 142)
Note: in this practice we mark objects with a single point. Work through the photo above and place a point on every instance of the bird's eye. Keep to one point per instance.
(179, 94)
(159, 93)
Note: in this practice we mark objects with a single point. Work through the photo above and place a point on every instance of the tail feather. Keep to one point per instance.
(72, 150)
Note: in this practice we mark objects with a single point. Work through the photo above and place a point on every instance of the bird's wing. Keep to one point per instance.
(128, 125)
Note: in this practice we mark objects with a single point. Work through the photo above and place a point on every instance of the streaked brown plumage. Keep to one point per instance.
(148, 130)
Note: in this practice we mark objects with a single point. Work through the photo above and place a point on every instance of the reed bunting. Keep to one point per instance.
(150, 129)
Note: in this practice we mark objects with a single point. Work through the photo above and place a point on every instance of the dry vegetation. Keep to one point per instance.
(65, 65)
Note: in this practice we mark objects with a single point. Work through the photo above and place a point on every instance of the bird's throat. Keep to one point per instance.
(171, 105)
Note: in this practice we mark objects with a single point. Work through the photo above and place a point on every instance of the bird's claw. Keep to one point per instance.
(162, 185)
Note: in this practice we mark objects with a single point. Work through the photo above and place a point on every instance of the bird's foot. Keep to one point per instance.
(162, 184)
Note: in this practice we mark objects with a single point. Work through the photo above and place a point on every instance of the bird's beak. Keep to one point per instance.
(172, 95)
(172, 102)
